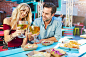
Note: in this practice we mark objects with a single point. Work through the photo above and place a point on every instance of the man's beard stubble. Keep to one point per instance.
(47, 20)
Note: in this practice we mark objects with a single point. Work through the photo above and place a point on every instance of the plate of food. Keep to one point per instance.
(47, 42)
(38, 54)
(55, 52)
(29, 47)
(71, 45)
(51, 52)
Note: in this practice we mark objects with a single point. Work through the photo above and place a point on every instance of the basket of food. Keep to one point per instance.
(47, 42)
(57, 52)
(29, 47)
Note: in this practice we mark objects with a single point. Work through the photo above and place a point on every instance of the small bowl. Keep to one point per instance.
(47, 42)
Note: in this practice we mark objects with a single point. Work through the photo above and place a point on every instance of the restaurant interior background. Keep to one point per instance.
(79, 12)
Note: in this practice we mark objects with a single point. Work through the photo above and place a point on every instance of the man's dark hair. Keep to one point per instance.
(50, 5)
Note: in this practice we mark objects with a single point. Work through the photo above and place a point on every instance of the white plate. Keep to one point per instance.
(66, 48)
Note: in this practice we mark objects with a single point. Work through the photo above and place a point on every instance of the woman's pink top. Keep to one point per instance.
(16, 41)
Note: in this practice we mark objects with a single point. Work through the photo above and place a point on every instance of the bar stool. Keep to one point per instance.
(82, 29)
(75, 31)
(2, 42)
(68, 32)
(1, 37)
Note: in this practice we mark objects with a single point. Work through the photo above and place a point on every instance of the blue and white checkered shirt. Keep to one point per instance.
(52, 30)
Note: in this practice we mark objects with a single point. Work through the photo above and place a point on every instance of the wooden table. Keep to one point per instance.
(78, 25)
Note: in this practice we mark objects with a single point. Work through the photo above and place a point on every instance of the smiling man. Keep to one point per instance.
(50, 26)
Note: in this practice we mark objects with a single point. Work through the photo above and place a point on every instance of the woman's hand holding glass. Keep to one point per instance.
(18, 31)
(22, 26)
(35, 32)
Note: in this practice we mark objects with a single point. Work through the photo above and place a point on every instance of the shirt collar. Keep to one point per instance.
(42, 21)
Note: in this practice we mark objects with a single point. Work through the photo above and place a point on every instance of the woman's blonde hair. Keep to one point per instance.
(16, 14)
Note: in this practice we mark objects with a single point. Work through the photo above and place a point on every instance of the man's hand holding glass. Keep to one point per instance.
(34, 32)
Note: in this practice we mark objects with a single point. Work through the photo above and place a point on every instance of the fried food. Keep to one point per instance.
(72, 44)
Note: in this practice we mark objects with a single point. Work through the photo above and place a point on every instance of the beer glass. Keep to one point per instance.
(34, 30)
(23, 25)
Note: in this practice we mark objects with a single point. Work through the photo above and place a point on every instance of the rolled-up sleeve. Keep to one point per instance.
(58, 32)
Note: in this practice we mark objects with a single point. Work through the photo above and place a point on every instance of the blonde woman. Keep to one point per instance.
(22, 12)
